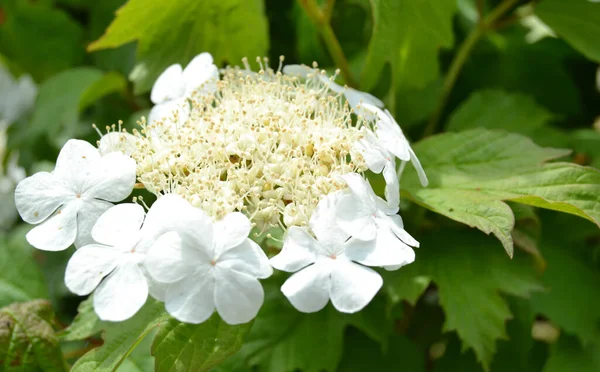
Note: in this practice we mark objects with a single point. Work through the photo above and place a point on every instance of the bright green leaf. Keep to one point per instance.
(20, 276)
(577, 21)
(121, 338)
(198, 347)
(470, 273)
(495, 109)
(471, 173)
(228, 29)
(140, 359)
(27, 340)
(408, 34)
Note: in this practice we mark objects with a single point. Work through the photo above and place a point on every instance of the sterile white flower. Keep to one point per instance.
(354, 96)
(363, 214)
(324, 266)
(209, 265)
(16, 97)
(9, 178)
(68, 201)
(175, 85)
(392, 139)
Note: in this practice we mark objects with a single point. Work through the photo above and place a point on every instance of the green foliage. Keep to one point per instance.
(27, 339)
(521, 137)
(197, 347)
(229, 30)
(20, 277)
(577, 21)
(408, 35)
(121, 338)
(478, 169)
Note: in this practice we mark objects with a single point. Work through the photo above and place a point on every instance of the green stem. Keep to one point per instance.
(461, 57)
(321, 21)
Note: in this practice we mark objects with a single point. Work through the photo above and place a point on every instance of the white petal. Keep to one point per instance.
(88, 266)
(418, 167)
(353, 286)
(120, 225)
(87, 216)
(122, 293)
(38, 196)
(299, 250)
(238, 296)
(356, 97)
(169, 85)
(231, 231)
(323, 221)
(191, 300)
(385, 250)
(167, 261)
(297, 70)
(200, 73)
(308, 289)
(175, 112)
(75, 162)
(112, 178)
(173, 213)
(392, 185)
(354, 219)
(361, 189)
(58, 232)
(398, 230)
(247, 258)
(392, 138)
(117, 142)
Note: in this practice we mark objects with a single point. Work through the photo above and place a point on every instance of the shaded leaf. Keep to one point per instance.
(86, 324)
(577, 21)
(27, 340)
(569, 355)
(228, 29)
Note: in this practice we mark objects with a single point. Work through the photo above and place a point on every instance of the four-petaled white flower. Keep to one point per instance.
(209, 265)
(391, 138)
(175, 85)
(68, 201)
(369, 218)
(329, 267)
(113, 266)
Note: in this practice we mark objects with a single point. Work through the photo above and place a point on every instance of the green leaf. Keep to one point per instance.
(27, 340)
(283, 339)
(363, 354)
(64, 96)
(569, 355)
(198, 347)
(121, 338)
(20, 276)
(86, 323)
(496, 109)
(470, 273)
(472, 173)
(407, 35)
(140, 359)
(228, 29)
(42, 39)
(573, 297)
(577, 21)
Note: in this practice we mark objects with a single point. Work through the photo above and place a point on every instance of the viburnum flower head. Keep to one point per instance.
(209, 265)
(67, 202)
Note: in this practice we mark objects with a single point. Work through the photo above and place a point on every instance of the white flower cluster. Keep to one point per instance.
(227, 152)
